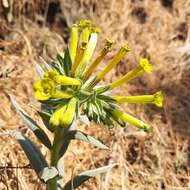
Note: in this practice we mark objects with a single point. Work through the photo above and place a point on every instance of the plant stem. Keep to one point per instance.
(52, 184)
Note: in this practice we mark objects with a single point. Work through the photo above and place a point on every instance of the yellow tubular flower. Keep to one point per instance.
(69, 114)
(61, 79)
(85, 35)
(64, 115)
(143, 67)
(130, 119)
(95, 30)
(64, 80)
(85, 25)
(87, 54)
(73, 42)
(99, 58)
(51, 75)
(55, 119)
(78, 58)
(61, 94)
(44, 89)
(113, 62)
(156, 99)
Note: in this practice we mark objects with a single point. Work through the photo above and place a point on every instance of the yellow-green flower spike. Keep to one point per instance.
(78, 58)
(98, 59)
(55, 119)
(144, 66)
(87, 54)
(43, 89)
(113, 62)
(75, 92)
(156, 99)
(130, 119)
(61, 79)
(69, 114)
(73, 42)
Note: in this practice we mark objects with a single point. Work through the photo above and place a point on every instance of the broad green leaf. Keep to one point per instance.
(40, 134)
(78, 135)
(48, 173)
(67, 63)
(39, 70)
(35, 157)
(84, 176)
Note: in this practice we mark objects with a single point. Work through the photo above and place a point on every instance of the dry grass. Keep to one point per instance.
(155, 161)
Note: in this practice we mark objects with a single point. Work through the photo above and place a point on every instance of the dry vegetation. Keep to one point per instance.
(157, 29)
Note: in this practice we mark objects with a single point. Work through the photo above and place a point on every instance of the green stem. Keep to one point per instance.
(52, 184)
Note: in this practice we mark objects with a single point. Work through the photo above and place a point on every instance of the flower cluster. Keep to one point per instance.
(68, 90)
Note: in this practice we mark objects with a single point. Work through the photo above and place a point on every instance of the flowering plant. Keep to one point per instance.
(68, 93)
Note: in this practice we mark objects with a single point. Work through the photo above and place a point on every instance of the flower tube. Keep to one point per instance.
(130, 119)
(98, 59)
(88, 53)
(117, 58)
(156, 99)
(73, 42)
(61, 79)
(144, 66)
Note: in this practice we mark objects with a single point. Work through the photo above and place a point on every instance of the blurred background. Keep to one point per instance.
(155, 29)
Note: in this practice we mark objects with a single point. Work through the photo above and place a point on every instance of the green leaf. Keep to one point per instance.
(78, 135)
(84, 176)
(55, 102)
(35, 157)
(40, 134)
(59, 65)
(67, 141)
(106, 98)
(64, 148)
(45, 118)
(48, 173)
(39, 70)
(60, 168)
(67, 62)
(60, 58)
